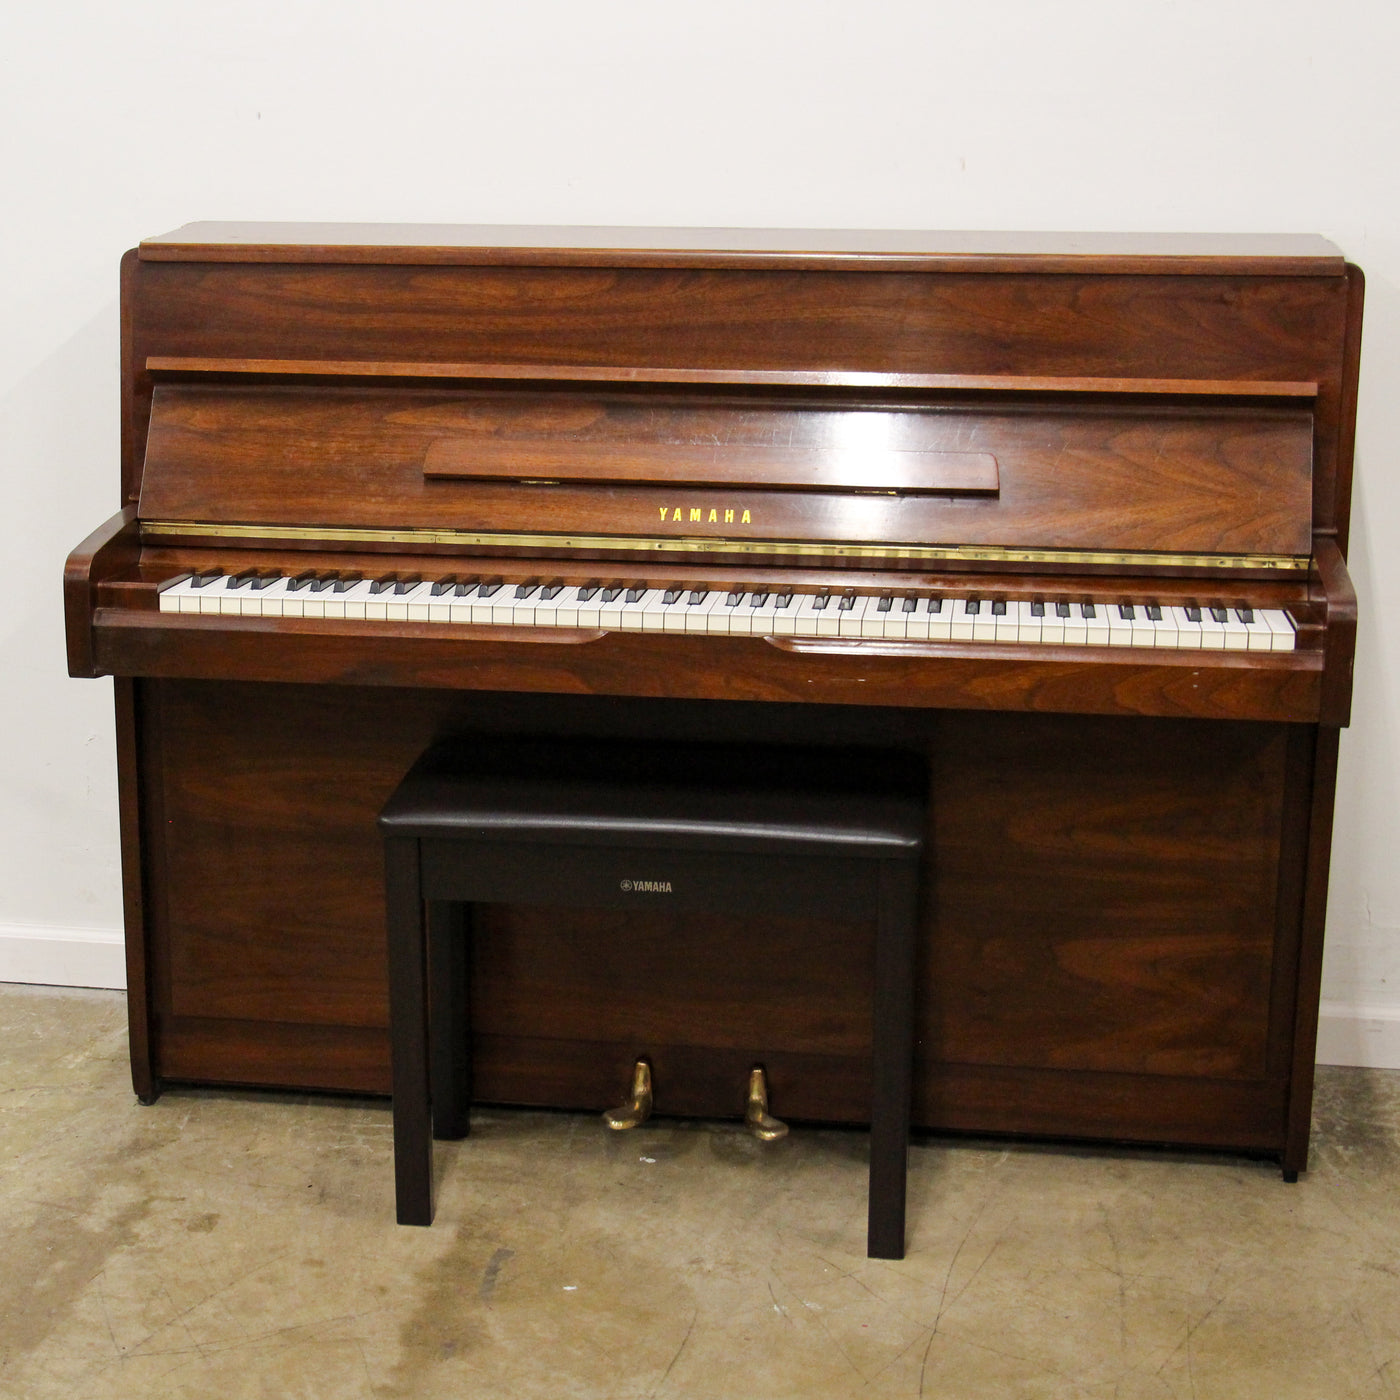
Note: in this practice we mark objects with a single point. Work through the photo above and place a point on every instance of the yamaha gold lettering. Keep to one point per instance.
(698, 515)
(645, 886)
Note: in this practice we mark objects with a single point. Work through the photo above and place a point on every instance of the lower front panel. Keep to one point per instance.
(1108, 946)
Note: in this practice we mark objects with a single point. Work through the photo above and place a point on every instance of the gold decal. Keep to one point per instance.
(747, 520)
(663, 512)
(714, 516)
(729, 517)
(695, 512)
(677, 515)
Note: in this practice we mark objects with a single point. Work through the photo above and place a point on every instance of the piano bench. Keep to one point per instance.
(835, 833)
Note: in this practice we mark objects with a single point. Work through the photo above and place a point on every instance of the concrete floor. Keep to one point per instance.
(237, 1245)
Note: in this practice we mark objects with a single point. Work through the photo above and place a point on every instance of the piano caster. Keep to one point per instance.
(757, 1119)
(1290, 1178)
(637, 1109)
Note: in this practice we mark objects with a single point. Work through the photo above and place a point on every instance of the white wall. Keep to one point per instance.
(121, 121)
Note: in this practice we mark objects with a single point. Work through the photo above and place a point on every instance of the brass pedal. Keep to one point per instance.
(757, 1119)
(637, 1109)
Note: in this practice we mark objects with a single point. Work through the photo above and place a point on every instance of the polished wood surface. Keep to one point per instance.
(1128, 850)
(1061, 475)
(535, 245)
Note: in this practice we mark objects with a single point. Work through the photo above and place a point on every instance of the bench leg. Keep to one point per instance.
(408, 1034)
(893, 1038)
(449, 1017)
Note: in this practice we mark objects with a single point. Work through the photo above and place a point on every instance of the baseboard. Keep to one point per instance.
(62, 957)
(1358, 1035)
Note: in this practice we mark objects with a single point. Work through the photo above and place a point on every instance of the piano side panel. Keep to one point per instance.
(1098, 957)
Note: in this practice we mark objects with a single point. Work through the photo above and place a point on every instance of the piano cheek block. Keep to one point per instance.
(560, 494)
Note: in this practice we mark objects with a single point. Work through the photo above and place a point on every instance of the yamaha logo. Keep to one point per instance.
(646, 886)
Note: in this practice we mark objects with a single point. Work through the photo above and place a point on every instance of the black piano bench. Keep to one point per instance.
(836, 833)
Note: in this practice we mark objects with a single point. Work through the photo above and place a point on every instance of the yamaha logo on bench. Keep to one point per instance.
(646, 886)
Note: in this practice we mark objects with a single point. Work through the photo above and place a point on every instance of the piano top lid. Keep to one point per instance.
(895, 250)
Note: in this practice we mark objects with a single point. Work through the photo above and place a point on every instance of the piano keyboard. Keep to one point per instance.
(616, 606)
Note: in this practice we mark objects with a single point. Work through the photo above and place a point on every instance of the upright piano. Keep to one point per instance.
(1063, 517)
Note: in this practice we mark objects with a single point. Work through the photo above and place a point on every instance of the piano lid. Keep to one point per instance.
(844, 249)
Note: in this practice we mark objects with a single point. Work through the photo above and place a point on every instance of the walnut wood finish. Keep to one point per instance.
(1071, 475)
(1127, 856)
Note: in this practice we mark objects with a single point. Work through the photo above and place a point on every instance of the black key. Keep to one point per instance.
(380, 585)
(1037, 609)
(935, 605)
(1087, 610)
(1061, 609)
(974, 607)
(550, 590)
(1245, 615)
(612, 593)
(490, 588)
(733, 600)
(466, 587)
(671, 597)
(998, 607)
(848, 601)
(636, 593)
(784, 600)
(265, 580)
(409, 582)
(346, 582)
(757, 600)
(1220, 614)
(1127, 612)
(820, 601)
(307, 579)
(909, 605)
(1193, 614)
(586, 592)
(1154, 612)
(323, 582)
(527, 588)
(444, 585)
(697, 596)
(244, 579)
(885, 604)
(178, 579)
(205, 579)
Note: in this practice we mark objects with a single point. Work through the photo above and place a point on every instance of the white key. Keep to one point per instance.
(763, 616)
(170, 593)
(1006, 626)
(697, 615)
(1052, 625)
(872, 620)
(895, 621)
(1164, 629)
(963, 622)
(673, 615)
(1189, 636)
(818, 622)
(546, 610)
(1029, 627)
(940, 623)
(1259, 636)
(632, 615)
(1281, 625)
(1120, 629)
(733, 619)
(785, 618)
(1096, 626)
(848, 619)
(1236, 634)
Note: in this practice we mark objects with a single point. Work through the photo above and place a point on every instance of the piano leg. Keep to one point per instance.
(893, 1039)
(449, 1017)
(408, 1022)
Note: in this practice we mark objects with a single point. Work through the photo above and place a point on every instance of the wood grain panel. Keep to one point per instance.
(1100, 913)
(1202, 480)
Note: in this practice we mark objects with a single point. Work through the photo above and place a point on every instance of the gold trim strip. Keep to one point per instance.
(690, 544)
